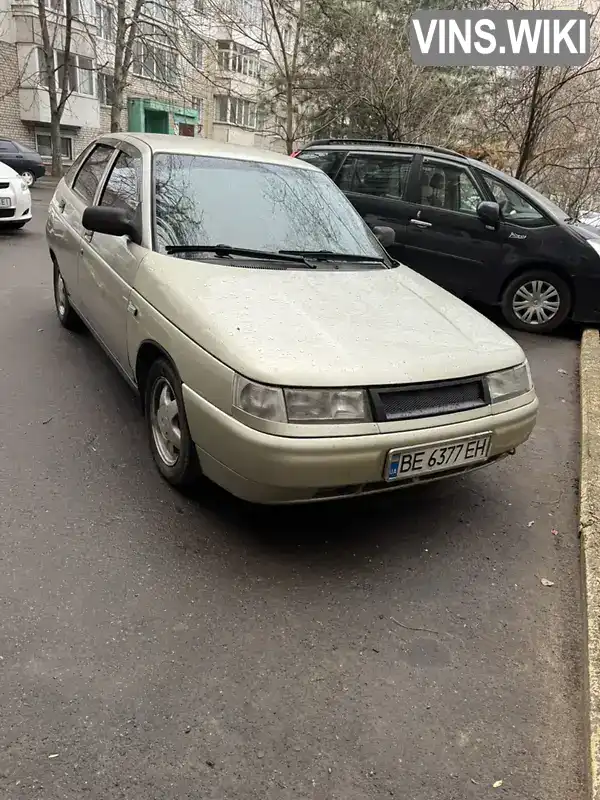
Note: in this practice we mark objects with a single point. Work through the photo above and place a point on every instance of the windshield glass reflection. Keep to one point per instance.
(202, 200)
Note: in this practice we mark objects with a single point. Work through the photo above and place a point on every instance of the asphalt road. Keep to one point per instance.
(155, 647)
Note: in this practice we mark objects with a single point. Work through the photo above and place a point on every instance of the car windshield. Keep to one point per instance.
(202, 200)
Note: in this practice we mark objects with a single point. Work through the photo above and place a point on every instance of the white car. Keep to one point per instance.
(15, 199)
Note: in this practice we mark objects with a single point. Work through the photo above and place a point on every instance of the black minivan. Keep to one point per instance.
(477, 232)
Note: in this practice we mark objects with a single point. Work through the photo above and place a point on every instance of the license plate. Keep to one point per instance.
(414, 461)
(5, 202)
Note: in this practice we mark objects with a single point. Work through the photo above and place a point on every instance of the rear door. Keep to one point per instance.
(376, 184)
(9, 154)
(72, 196)
(445, 239)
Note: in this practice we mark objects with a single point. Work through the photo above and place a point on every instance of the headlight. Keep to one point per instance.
(326, 405)
(300, 405)
(595, 243)
(509, 383)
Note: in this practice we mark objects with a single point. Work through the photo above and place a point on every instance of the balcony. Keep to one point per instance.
(80, 111)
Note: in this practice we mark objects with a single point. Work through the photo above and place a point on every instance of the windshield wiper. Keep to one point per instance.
(329, 255)
(224, 250)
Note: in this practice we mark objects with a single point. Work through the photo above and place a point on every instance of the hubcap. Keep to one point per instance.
(536, 302)
(164, 420)
(61, 295)
(28, 178)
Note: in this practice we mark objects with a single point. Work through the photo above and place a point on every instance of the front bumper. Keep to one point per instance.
(263, 468)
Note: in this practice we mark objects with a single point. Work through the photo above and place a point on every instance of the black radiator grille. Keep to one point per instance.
(428, 400)
(7, 212)
(4, 185)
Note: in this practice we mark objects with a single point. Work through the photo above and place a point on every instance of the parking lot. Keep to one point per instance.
(156, 646)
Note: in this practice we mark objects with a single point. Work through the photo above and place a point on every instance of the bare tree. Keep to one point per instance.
(56, 78)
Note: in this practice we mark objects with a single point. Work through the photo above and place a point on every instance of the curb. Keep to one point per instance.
(589, 530)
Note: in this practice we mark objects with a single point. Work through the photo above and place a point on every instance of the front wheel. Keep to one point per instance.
(538, 301)
(171, 445)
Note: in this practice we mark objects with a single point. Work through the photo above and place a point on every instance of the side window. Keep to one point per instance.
(382, 176)
(7, 147)
(91, 172)
(515, 208)
(327, 160)
(123, 187)
(449, 186)
(74, 168)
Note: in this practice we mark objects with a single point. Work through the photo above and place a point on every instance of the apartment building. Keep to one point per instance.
(194, 73)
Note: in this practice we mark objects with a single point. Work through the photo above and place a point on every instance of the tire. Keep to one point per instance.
(548, 290)
(28, 177)
(67, 316)
(171, 444)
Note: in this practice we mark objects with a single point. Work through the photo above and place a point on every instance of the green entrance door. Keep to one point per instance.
(156, 121)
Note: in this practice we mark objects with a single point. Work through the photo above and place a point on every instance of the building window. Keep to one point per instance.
(161, 12)
(234, 57)
(198, 106)
(235, 111)
(80, 72)
(105, 21)
(198, 54)
(153, 56)
(105, 89)
(43, 144)
(60, 6)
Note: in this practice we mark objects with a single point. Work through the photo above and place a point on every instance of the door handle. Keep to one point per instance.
(420, 223)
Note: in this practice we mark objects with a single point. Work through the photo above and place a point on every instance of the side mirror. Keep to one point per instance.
(113, 221)
(489, 214)
(386, 236)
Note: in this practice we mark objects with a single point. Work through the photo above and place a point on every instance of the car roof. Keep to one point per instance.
(194, 145)
(6, 171)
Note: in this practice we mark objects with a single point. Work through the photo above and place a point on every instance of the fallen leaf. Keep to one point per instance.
(529, 524)
(562, 371)
(554, 532)
(546, 582)
(497, 784)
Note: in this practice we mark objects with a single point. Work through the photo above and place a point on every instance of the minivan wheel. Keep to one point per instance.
(171, 445)
(67, 316)
(28, 177)
(537, 301)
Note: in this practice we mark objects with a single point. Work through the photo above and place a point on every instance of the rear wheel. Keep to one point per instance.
(171, 445)
(28, 177)
(538, 301)
(67, 316)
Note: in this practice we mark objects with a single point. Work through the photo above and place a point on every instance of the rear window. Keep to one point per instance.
(327, 160)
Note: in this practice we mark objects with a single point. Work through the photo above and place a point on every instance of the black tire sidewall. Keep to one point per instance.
(186, 470)
(552, 278)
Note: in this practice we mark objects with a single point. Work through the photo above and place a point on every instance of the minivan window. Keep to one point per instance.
(203, 200)
(91, 172)
(382, 176)
(327, 160)
(450, 187)
(515, 208)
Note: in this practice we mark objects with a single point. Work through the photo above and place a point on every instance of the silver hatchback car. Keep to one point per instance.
(276, 347)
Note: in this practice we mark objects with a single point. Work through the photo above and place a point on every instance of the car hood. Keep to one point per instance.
(301, 327)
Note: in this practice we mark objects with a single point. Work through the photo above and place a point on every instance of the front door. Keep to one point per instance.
(108, 264)
(376, 186)
(445, 239)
